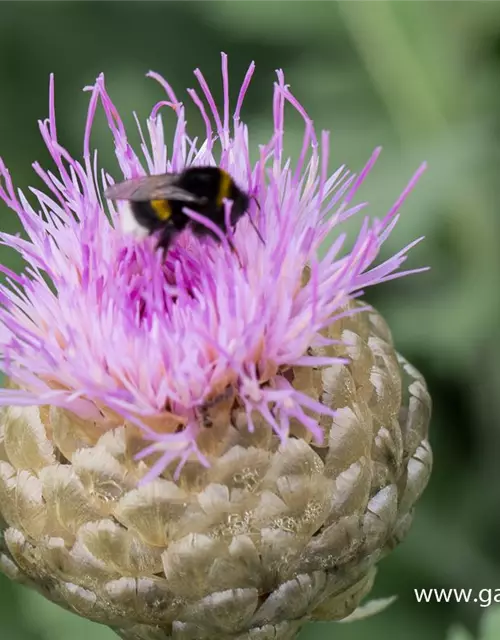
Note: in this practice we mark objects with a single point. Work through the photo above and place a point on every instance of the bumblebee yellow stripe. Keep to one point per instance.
(224, 187)
(162, 209)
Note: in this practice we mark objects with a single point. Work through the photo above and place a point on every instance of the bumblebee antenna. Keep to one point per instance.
(253, 223)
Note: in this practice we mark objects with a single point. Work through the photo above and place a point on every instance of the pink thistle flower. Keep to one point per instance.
(99, 325)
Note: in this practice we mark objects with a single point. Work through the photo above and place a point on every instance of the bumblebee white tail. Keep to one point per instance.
(128, 223)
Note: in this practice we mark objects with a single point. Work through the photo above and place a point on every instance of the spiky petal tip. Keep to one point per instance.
(98, 324)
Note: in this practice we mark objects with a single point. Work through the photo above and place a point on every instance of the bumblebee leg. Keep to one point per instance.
(201, 231)
(166, 238)
(233, 250)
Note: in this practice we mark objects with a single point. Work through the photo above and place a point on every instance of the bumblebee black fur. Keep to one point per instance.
(157, 202)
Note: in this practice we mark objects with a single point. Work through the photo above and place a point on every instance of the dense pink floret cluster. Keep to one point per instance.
(97, 321)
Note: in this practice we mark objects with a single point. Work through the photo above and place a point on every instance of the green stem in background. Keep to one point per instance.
(419, 111)
(414, 106)
(396, 72)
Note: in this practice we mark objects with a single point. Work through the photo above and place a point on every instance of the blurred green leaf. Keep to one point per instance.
(54, 623)
(282, 20)
(489, 627)
(458, 633)
(490, 624)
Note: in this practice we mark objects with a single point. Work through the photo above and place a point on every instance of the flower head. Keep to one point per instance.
(99, 324)
(197, 368)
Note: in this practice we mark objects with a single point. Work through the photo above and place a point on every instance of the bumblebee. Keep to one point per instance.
(156, 203)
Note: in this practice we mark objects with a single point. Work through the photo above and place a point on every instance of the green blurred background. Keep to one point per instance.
(420, 78)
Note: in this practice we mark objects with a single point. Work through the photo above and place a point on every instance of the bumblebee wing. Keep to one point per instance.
(161, 187)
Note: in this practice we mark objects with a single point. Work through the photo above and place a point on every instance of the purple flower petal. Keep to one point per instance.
(97, 320)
